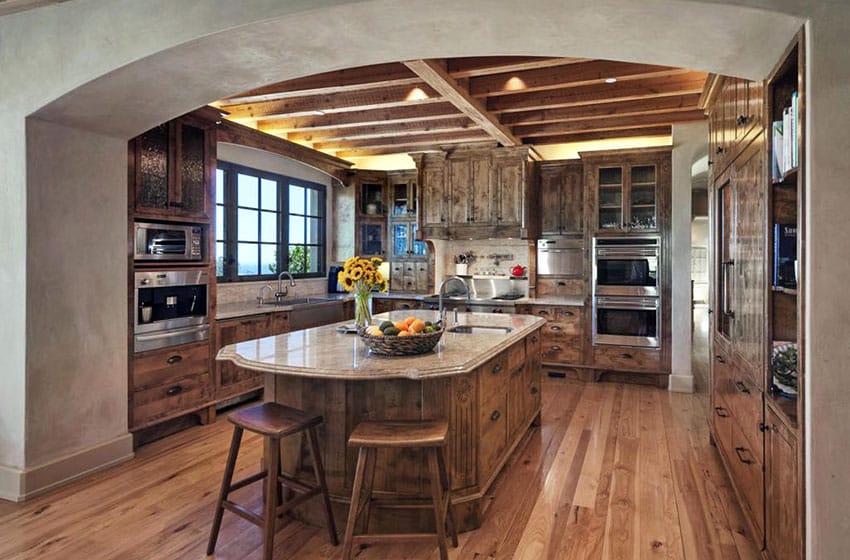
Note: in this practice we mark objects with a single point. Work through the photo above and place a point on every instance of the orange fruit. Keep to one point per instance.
(409, 320)
(404, 333)
(417, 325)
(400, 325)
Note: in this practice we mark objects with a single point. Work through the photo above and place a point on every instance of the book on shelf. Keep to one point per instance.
(777, 163)
(785, 255)
(786, 151)
(795, 151)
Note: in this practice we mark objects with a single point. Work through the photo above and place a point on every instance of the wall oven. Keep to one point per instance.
(168, 242)
(626, 266)
(627, 321)
(171, 308)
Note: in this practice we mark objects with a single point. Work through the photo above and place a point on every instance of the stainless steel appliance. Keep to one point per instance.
(562, 256)
(168, 242)
(171, 308)
(626, 266)
(485, 295)
(627, 321)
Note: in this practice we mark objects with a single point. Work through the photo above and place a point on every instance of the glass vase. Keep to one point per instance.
(362, 309)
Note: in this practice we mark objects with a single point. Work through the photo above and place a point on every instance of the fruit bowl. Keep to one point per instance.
(400, 345)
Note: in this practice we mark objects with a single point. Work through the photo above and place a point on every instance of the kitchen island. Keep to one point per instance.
(486, 383)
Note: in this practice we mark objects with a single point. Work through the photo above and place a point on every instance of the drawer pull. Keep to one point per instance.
(534, 390)
(720, 359)
(174, 359)
(739, 385)
(763, 427)
(497, 368)
(626, 355)
(496, 415)
(542, 312)
(554, 327)
(176, 390)
(555, 348)
(721, 412)
(740, 451)
(568, 313)
(562, 283)
(534, 339)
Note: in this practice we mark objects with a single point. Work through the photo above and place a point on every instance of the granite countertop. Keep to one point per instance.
(324, 352)
(246, 308)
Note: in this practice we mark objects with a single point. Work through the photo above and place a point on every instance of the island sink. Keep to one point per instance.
(479, 329)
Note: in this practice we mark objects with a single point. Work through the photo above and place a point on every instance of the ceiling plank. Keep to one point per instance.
(468, 67)
(584, 73)
(618, 108)
(713, 85)
(413, 140)
(455, 124)
(599, 135)
(377, 98)
(410, 113)
(680, 84)
(349, 79)
(436, 76)
(608, 123)
(360, 152)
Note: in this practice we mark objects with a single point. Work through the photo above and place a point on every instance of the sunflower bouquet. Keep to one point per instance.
(362, 277)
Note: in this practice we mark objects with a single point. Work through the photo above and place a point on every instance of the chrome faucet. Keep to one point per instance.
(440, 308)
(260, 299)
(280, 293)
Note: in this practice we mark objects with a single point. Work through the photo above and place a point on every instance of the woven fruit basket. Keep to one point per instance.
(400, 345)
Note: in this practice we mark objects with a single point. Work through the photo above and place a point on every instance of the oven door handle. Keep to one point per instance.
(171, 332)
(626, 254)
(640, 305)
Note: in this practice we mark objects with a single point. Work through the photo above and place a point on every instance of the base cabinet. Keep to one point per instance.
(782, 491)
(231, 379)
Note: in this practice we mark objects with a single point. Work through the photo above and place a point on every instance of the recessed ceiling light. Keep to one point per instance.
(610, 80)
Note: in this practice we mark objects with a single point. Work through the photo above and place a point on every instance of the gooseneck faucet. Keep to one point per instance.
(440, 292)
(280, 293)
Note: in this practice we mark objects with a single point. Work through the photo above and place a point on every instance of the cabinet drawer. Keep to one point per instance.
(626, 358)
(721, 419)
(516, 356)
(170, 399)
(560, 286)
(748, 476)
(561, 350)
(162, 366)
(742, 398)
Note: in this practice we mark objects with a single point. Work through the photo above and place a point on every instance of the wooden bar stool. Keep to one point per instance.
(369, 437)
(272, 421)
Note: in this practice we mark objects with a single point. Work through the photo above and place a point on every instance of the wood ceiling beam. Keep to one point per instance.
(584, 73)
(608, 123)
(378, 98)
(340, 81)
(713, 85)
(680, 84)
(618, 108)
(435, 75)
(468, 67)
(600, 135)
(455, 124)
(360, 152)
(413, 140)
(410, 113)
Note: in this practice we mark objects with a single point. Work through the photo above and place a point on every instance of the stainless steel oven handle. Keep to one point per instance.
(619, 253)
(639, 305)
(170, 333)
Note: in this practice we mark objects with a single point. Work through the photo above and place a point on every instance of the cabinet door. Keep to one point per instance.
(508, 187)
(782, 497)
(232, 379)
(572, 200)
(409, 276)
(152, 169)
(189, 195)
(400, 232)
(609, 198)
(371, 238)
(643, 198)
(550, 197)
(724, 197)
(460, 179)
(422, 277)
(433, 195)
(397, 276)
(482, 204)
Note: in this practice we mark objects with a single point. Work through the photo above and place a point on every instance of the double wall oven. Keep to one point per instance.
(626, 291)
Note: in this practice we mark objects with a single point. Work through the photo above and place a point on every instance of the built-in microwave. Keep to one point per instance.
(168, 242)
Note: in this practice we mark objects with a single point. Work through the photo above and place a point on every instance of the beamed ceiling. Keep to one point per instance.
(419, 105)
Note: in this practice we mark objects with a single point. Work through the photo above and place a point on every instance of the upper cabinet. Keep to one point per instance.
(474, 193)
(172, 169)
(370, 200)
(628, 190)
(561, 197)
(736, 116)
(404, 194)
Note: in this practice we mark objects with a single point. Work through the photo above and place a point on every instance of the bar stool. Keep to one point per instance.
(369, 437)
(272, 421)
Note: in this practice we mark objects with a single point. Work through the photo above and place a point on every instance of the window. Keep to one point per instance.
(266, 223)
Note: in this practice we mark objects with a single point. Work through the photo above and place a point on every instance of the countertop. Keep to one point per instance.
(323, 352)
(246, 308)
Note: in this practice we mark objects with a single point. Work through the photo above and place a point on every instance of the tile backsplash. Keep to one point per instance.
(491, 257)
(241, 292)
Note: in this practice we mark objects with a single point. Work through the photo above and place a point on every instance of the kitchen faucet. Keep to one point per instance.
(440, 293)
(280, 294)
(260, 299)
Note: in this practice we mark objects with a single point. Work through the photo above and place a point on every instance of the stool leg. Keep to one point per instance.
(319, 471)
(226, 481)
(437, 498)
(355, 504)
(371, 455)
(447, 487)
(272, 455)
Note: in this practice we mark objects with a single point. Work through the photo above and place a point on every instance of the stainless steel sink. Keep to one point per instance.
(479, 329)
(300, 301)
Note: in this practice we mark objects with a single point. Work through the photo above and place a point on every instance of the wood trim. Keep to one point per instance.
(600, 135)
(468, 67)
(668, 104)
(609, 123)
(383, 116)
(713, 86)
(468, 135)
(458, 123)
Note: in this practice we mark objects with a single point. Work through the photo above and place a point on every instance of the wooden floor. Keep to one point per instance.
(615, 471)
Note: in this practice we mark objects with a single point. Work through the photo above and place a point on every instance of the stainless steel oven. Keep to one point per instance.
(627, 321)
(561, 256)
(171, 308)
(626, 266)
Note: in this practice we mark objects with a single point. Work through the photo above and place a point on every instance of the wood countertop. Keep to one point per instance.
(324, 352)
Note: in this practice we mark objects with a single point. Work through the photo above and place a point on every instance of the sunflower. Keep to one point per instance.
(356, 273)
(379, 278)
(346, 281)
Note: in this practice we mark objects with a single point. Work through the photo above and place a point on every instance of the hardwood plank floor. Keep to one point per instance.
(615, 472)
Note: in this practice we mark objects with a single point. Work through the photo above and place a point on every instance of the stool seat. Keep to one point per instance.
(400, 433)
(274, 420)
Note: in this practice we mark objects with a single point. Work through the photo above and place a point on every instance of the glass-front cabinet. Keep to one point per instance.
(403, 194)
(404, 241)
(371, 238)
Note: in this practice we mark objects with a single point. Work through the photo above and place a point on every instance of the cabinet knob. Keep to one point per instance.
(174, 359)
(741, 387)
(626, 356)
(554, 327)
(533, 339)
(568, 313)
(742, 120)
(720, 359)
(721, 412)
(555, 348)
(534, 390)
(497, 368)
(176, 390)
(763, 427)
(740, 452)
(496, 415)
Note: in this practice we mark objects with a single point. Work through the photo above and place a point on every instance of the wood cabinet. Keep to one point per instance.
(735, 118)
(403, 194)
(783, 491)
(562, 337)
(173, 168)
(232, 380)
(382, 305)
(370, 218)
(628, 190)
(560, 197)
(410, 276)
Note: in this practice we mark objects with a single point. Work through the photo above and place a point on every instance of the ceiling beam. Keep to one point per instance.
(469, 67)
(378, 98)
(360, 152)
(435, 75)
(608, 123)
(713, 85)
(455, 124)
(413, 140)
(340, 81)
(599, 135)
(410, 113)
(618, 108)
(680, 84)
(584, 73)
